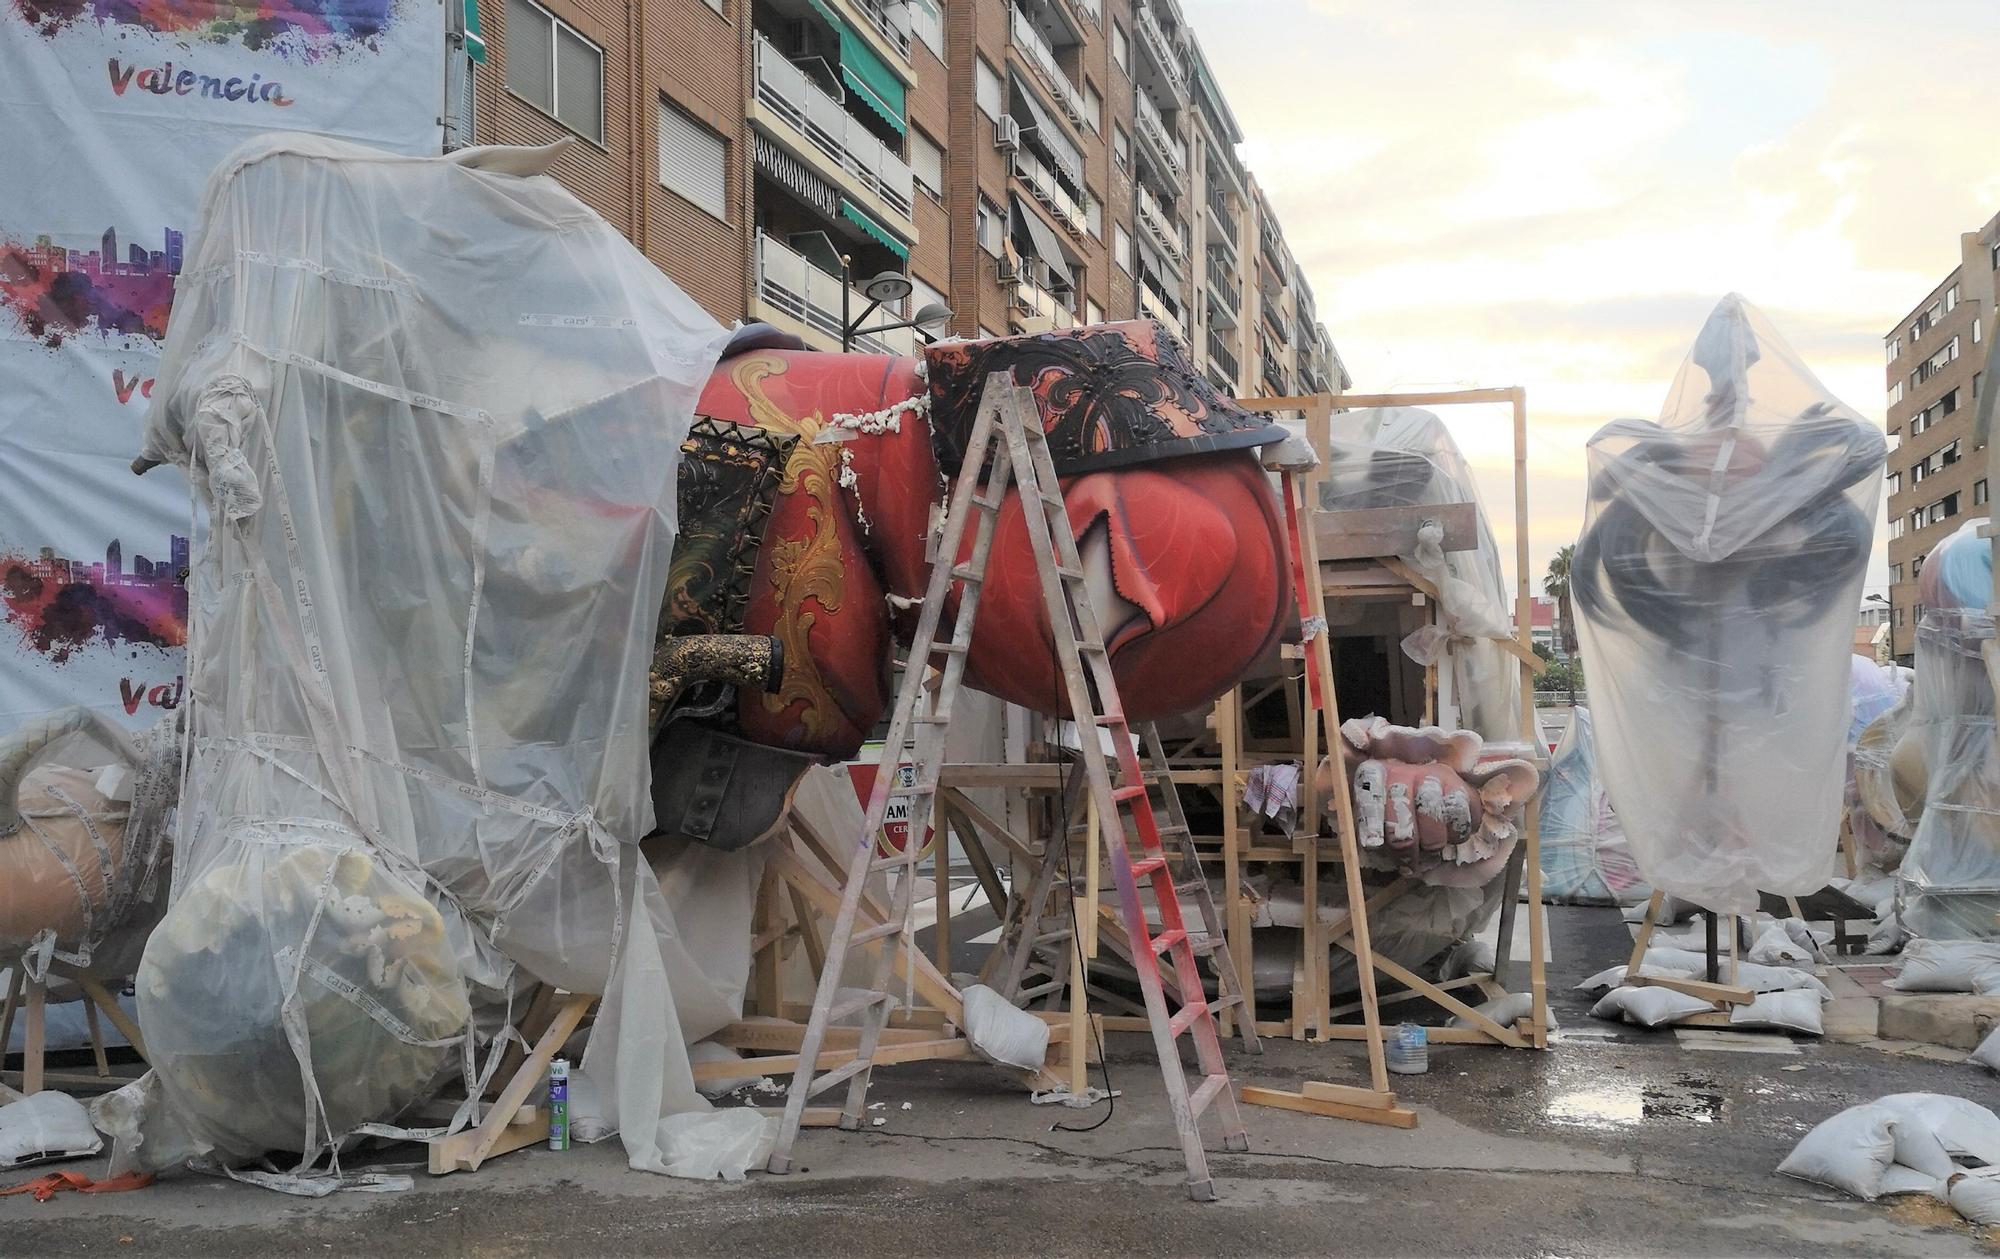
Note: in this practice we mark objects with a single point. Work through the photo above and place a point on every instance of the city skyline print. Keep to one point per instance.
(57, 291)
(58, 606)
(301, 30)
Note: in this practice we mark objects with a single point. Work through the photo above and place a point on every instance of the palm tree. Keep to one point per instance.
(1556, 586)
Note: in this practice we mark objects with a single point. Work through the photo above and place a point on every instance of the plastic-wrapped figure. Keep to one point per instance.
(1715, 582)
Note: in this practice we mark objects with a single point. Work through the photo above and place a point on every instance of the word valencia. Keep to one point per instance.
(166, 81)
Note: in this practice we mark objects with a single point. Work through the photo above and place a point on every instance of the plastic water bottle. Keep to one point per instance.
(559, 1104)
(1409, 1050)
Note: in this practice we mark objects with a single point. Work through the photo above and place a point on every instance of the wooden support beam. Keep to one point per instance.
(1391, 1117)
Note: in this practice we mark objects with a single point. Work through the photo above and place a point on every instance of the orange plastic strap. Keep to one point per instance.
(46, 1187)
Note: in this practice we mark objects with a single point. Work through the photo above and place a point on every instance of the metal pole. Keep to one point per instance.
(846, 301)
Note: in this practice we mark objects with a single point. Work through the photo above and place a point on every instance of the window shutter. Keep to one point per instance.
(579, 85)
(530, 55)
(694, 162)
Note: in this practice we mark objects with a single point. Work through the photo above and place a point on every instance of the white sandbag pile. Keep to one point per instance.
(1787, 998)
(1950, 966)
(1905, 1143)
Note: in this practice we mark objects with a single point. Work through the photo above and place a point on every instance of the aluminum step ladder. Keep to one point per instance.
(1008, 446)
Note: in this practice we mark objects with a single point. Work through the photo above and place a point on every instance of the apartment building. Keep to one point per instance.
(1029, 164)
(1936, 362)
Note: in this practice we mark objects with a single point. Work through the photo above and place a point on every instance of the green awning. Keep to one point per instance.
(866, 222)
(475, 41)
(865, 73)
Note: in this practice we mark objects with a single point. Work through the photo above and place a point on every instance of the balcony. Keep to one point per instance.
(790, 285)
(1035, 308)
(824, 124)
(1222, 357)
(1222, 221)
(1154, 41)
(1274, 252)
(1228, 297)
(1275, 321)
(1089, 12)
(1274, 377)
(1159, 225)
(1167, 146)
(1036, 52)
(878, 17)
(1153, 306)
(1040, 181)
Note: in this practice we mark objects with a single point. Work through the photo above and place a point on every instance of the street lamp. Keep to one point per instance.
(889, 286)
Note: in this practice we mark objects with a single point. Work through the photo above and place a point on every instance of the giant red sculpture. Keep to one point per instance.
(1165, 495)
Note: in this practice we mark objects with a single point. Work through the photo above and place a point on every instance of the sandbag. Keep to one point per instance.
(1788, 942)
(1849, 1151)
(1793, 1010)
(1975, 1195)
(1507, 1010)
(1002, 1034)
(1648, 1007)
(45, 1128)
(1988, 1053)
(1949, 966)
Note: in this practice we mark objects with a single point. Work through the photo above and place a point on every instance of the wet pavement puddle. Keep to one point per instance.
(1608, 1105)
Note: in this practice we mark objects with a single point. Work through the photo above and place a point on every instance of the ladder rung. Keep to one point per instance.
(1186, 1016)
(1168, 939)
(1050, 937)
(853, 1004)
(1132, 792)
(868, 935)
(1191, 887)
(1206, 1092)
(949, 648)
(845, 1071)
(1073, 574)
(932, 719)
(1217, 1006)
(1090, 645)
(966, 573)
(1146, 867)
(990, 504)
(896, 862)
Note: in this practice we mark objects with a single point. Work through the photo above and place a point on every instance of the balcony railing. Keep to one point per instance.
(1040, 180)
(1156, 304)
(1037, 52)
(1274, 376)
(1091, 11)
(1223, 287)
(825, 123)
(1154, 127)
(878, 17)
(1224, 221)
(1164, 53)
(787, 282)
(1274, 253)
(1032, 301)
(1222, 356)
(1276, 323)
(1162, 228)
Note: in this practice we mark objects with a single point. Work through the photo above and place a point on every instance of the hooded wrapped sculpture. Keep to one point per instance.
(433, 413)
(1721, 560)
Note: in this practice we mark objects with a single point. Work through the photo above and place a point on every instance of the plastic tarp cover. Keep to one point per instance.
(1950, 878)
(1404, 457)
(1585, 859)
(432, 416)
(1715, 584)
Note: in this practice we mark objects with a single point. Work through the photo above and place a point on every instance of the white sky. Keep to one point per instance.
(1554, 193)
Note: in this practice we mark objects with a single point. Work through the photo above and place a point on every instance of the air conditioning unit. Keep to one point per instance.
(1008, 270)
(1007, 134)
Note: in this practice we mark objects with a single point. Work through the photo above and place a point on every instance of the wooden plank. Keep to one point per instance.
(1725, 994)
(929, 982)
(955, 1048)
(767, 1037)
(1366, 532)
(455, 1153)
(35, 1043)
(1348, 1094)
(112, 1010)
(1395, 1117)
(465, 1151)
(813, 1116)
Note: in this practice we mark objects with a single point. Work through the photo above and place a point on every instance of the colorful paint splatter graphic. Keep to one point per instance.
(60, 606)
(306, 29)
(57, 293)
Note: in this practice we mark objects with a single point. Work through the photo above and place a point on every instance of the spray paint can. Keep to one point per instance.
(559, 1104)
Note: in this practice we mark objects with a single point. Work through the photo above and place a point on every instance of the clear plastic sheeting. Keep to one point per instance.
(432, 415)
(1715, 584)
(1950, 878)
(1405, 457)
(1585, 859)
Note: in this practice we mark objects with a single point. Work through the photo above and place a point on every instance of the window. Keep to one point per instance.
(1931, 414)
(1094, 314)
(1935, 363)
(1975, 330)
(1093, 217)
(1093, 114)
(1951, 299)
(1947, 455)
(1979, 492)
(986, 91)
(1925, 321)
(923, 294)
(1121, 56)
(1917, 567)
(694, 161)
(1975, 383)
(1895, 574)
(555, 69)
(991, 227)
(1994, 254)
(1121, 148)
(1918, 471)
(927, 163)
(927, 24)
(1895, 483)
(1896, 392)
(1896, 528)
(1121, 247)
(1895, 347)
